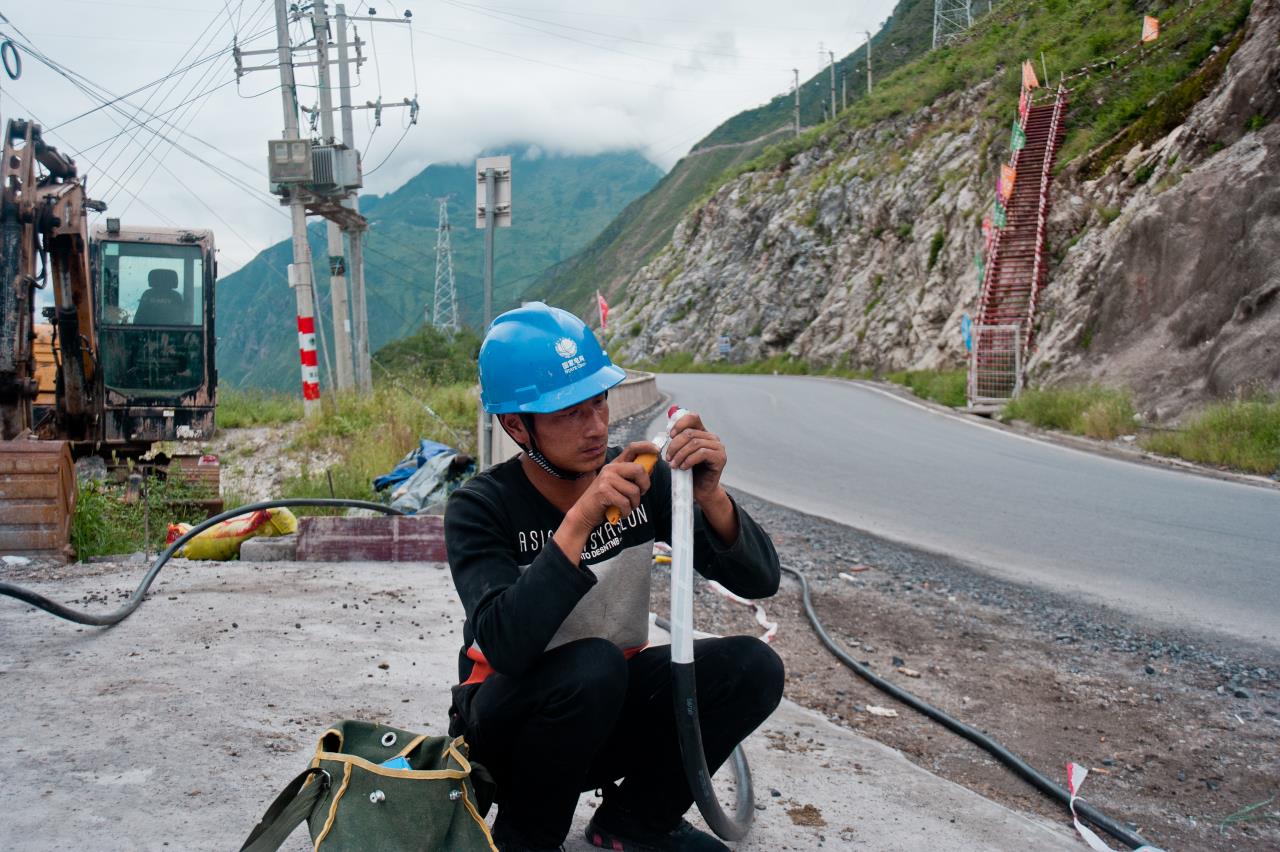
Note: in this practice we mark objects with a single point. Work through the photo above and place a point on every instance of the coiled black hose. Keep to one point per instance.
(1020, 767)
(139, 594)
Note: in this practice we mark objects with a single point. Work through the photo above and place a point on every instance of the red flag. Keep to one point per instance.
(1024, 103)
(1007, 176)
(604, 310)
(1150, 28)
(1029, 80)
(986, 228)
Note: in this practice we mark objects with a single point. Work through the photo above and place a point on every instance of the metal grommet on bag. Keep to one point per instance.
(455, 795)
(389, 739)
(377, 796)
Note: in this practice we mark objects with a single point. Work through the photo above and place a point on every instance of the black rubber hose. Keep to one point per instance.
(689, 732)
(139, 594)
(973, 735)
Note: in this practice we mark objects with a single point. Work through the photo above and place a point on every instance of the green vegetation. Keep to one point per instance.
(1089, 410)
(1243, 435)
(424, 388)
(432, 356)
(1070, 35)
(104, 524)
(370, 434)
(948, 387)
(935, 247)
(1257, 121)
(240, 408)
(564, 202)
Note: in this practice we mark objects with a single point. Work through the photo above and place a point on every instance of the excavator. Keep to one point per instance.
(123, 358)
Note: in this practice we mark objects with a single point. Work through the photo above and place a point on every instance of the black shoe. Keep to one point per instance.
(622, 833)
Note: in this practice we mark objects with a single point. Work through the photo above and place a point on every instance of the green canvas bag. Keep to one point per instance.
(352, 801)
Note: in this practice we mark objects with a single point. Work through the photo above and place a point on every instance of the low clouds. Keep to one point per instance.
(571, 78)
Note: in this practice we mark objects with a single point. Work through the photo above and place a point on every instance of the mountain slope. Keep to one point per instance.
(854, 245)
(559, 203)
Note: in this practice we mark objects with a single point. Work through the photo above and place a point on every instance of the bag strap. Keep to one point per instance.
(290, 808)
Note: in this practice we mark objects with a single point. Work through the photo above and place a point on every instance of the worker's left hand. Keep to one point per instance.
(692, 446)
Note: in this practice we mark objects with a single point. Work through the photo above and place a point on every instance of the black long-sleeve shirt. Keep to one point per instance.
(523, 597)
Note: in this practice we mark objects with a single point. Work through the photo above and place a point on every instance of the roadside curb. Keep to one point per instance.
(1074, 442)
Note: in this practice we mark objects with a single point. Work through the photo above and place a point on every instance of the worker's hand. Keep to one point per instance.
(622, 482)
(693, 447)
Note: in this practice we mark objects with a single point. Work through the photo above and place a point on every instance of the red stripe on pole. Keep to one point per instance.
(310, 390)
(306, 325)
(308, 357)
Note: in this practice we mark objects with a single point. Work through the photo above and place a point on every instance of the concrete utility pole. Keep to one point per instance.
(795, 86)
(355, 237)
(844, 90)
(831, 55)
(868, 34)
(300, 269)
(337, 261)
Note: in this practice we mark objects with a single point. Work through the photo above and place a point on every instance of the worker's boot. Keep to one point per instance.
(622, 832)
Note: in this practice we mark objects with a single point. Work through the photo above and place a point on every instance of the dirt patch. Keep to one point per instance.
(806, 815)
(1179, 729)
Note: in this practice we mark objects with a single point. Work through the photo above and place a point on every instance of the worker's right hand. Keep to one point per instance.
(622, 482)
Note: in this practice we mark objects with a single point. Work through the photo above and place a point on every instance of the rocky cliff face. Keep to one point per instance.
(859, 252)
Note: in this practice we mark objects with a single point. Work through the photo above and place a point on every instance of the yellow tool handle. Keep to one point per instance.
(646, 460)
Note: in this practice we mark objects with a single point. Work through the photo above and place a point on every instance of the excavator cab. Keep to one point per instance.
(154, 289)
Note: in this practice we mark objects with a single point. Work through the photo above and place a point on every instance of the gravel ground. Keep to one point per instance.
(1178, 729)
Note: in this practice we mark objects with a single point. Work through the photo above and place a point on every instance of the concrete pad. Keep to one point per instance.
(273, 548)
(177, 728)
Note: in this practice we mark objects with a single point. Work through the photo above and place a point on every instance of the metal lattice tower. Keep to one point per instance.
(951, 19)
(446, 297)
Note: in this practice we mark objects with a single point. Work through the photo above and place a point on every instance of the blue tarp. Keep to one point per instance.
(409, 465)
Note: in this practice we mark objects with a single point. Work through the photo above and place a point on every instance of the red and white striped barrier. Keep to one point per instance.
(307, 353)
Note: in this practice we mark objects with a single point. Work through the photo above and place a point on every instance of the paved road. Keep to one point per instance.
(1179, 548)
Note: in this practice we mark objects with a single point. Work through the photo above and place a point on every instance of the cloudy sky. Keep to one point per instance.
(574, 77)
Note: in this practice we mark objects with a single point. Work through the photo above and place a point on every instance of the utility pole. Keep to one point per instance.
(300, 269)
(868, 34)
(494, 174)
(795, 86)
(831, 55)
(333, 234)
(355, 236)
(844, 90)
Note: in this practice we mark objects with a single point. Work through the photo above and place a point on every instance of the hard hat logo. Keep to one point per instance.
(566, 348)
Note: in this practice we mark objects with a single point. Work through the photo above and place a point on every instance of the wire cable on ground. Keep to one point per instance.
(1020, 767)
(139, 595)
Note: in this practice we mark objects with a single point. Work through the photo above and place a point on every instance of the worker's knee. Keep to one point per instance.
(599, 673)
(756, 673)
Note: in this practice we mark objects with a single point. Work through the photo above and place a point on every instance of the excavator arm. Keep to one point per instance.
(44, 242)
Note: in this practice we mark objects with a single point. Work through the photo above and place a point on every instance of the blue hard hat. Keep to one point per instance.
(537, 359)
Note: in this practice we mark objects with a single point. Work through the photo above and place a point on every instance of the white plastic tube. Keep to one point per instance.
(681, 566)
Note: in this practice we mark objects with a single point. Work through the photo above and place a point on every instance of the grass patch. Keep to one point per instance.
(369, 434)
(1089, 410)
(1243, 435)
(104, 524)
(935, 247)
(945, 386)
(239, 408)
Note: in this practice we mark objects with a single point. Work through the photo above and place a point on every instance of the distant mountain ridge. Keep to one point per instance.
(560, 203)
(646, 226)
